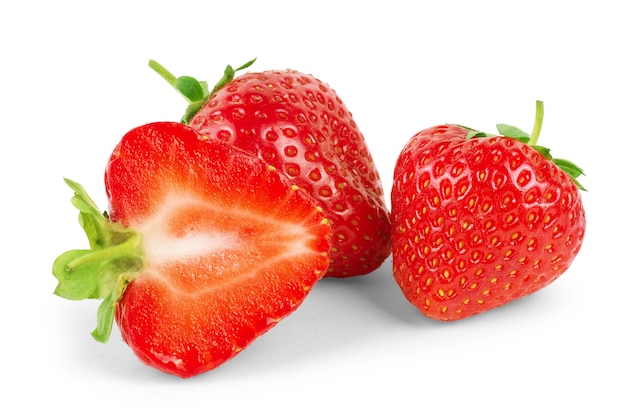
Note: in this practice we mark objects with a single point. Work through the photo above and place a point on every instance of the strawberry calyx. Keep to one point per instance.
(195, 92)
(570, 168)
(103, 271)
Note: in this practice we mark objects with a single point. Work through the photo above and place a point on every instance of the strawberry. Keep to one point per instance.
(479, 220)
(299, 125)
(204, 248)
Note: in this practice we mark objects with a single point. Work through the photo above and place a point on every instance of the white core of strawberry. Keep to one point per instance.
(165, 248)
(177, 232)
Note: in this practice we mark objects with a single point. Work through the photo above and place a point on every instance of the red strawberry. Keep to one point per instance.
(480, 221)
(299, 125)
(206, 248)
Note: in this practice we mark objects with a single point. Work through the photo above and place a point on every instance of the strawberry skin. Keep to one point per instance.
(227, 247)
(299, 125)
(479, 222)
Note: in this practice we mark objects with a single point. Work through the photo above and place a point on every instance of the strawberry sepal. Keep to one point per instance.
(102, 272)
(572, 170)
(195, 92)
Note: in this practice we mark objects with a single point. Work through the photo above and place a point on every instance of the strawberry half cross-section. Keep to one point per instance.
(204, 248)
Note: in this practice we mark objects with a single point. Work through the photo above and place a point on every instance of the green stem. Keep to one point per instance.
(163, 72)
(128, 249)
(534, 136)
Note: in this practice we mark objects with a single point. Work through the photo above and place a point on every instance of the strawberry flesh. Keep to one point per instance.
(228, 247)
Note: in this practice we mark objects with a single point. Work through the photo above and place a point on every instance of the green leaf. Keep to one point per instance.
(106, 315)
(246, 65)
(513, 132)
(543, 151)
(103, 271)
(472, 133)
(569, 167)
(190, 88)
(74, 285)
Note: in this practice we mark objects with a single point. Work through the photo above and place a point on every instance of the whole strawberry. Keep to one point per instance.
(479, 221)
(204, 248)
(299, 125)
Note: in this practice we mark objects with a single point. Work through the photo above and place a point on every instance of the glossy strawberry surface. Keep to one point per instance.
(299, 125)
(479, 222)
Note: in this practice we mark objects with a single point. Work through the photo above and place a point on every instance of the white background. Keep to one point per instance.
(74, 78)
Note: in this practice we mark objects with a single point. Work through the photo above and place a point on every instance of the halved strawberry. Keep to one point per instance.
(481, 220)
(204, 248)
(298, 124)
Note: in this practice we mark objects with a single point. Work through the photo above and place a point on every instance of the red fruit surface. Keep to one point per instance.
(231, 246)
(299, 125)
(479, 222)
